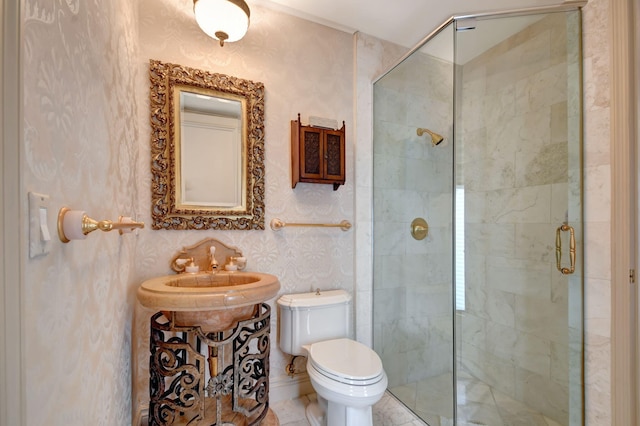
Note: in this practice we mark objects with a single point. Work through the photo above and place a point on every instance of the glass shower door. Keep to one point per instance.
(413, 176)
(518, 323)
(478, 133)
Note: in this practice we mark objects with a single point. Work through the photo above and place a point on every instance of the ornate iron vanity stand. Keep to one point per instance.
(238, 361)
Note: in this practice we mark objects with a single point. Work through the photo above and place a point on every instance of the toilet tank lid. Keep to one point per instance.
(307, 300)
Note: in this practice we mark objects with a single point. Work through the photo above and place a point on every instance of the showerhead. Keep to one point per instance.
(435, 138)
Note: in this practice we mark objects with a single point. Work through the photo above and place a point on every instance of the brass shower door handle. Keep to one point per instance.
(572, 249)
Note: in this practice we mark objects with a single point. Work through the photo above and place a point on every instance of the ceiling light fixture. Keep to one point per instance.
(224, 20)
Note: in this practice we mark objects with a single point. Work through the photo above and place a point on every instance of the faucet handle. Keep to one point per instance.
(231, 266)
(240, 261)
(181, 263)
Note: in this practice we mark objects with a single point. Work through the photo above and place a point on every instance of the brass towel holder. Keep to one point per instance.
(76, 225)
(277, 224)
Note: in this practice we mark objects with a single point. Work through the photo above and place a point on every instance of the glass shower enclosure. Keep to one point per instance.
(477, 298)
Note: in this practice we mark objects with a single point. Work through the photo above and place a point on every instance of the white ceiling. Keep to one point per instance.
(404, 22)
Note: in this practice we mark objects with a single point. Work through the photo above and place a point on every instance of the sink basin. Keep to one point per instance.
(215, 302)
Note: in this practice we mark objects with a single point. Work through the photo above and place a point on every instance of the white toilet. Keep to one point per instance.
(346, 375)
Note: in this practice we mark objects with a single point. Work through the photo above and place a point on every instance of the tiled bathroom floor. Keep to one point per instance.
(478, 405)
(387, 412)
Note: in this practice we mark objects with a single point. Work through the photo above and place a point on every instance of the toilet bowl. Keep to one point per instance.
(348, 379)
(347, 376)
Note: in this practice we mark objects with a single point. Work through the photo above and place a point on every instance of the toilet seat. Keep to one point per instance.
(346, 361)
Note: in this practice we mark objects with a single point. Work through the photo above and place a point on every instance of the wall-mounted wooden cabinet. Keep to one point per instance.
(317, 154)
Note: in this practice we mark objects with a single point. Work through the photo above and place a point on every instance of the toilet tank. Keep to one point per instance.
(307, 318)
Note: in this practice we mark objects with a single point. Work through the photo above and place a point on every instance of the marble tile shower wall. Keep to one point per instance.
(412, 178)
(513, 123)
(596, 30)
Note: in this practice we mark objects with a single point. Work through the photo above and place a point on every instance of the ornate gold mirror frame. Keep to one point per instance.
(167, 212)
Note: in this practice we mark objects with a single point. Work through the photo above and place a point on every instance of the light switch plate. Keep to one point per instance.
(40, 234)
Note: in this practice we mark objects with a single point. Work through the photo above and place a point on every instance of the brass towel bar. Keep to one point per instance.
(277, 224)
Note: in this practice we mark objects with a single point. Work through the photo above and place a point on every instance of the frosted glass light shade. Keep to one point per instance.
(224, 20)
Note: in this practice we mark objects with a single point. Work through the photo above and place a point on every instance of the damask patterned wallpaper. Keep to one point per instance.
(306, 68)
(80, 147)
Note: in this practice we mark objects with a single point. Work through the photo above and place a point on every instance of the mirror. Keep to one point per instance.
(207, 149)
(210, 149)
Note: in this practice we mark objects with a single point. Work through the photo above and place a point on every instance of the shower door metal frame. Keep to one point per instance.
(564, 7)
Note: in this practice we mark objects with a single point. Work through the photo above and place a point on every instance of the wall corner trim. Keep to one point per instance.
(623, 212)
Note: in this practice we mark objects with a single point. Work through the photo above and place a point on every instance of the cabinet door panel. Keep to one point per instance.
(311, 154)
(334, 156)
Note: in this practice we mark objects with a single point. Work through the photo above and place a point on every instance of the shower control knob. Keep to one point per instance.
(419, 228)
